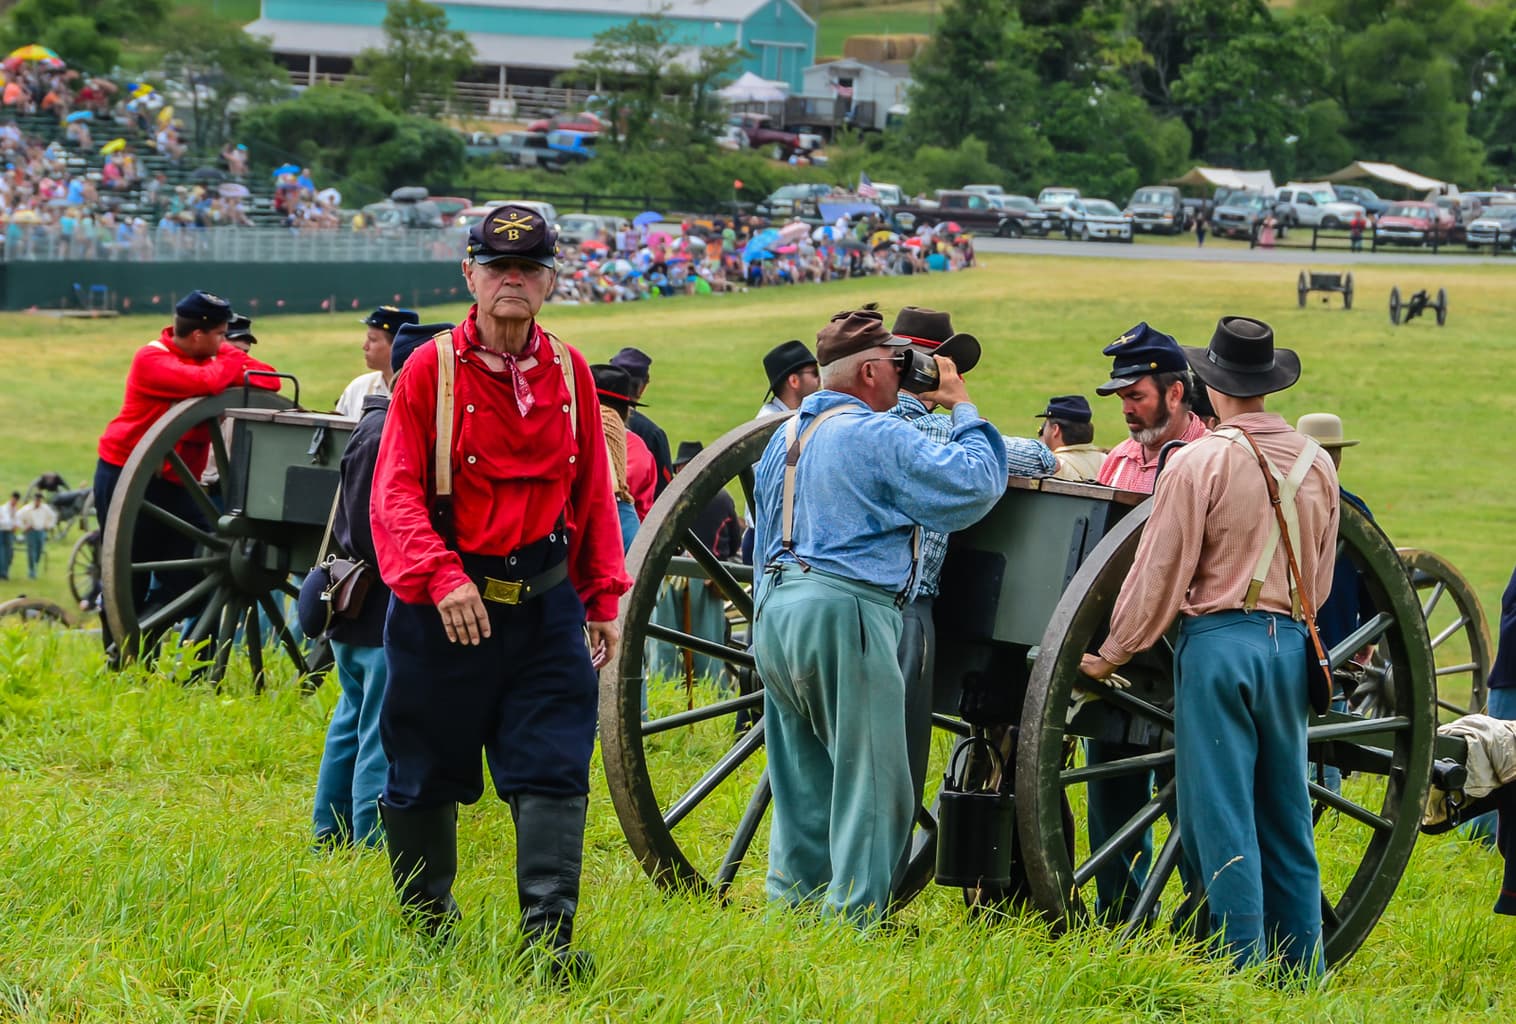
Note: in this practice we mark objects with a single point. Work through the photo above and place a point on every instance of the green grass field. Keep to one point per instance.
(836, 22)
(154, 840)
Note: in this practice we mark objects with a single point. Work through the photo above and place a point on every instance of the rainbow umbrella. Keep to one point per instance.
(141, 91)
(34, 52)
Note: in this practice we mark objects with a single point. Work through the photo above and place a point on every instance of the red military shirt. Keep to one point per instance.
(512, 475)
(161, 375)
(641, 474)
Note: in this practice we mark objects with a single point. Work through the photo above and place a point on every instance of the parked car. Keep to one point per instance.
(576, 228)
(793, 200)
(1497, 224)
(1158, 208)
(391, 214)
(1372, 205)
(481, 145)
(450, 206)
(526, 149)
(1089, 219)
(468, 217)
(1414, 223)
(984, 190)
(763, 134)
(1240, 214)
(1313, 204)
(972, 211)
(1054, 199)
(574, 146)
(583, 121)
(889, 195)
(1029, 218)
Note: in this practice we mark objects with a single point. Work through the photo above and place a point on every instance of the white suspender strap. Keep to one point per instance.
(793, 446)
(1289, 487)
(442, 456)
(560, 350)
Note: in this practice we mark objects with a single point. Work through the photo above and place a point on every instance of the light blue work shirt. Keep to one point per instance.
(866, 480)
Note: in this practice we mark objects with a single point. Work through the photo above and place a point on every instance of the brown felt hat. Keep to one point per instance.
(854, 331)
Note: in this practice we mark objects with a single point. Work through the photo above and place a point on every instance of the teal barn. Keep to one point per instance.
(526, 43)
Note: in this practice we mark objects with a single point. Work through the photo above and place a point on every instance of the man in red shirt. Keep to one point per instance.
(497, 591)
(191, 359)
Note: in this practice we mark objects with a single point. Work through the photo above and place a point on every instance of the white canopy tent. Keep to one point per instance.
(1226, 177)
(1390, 173)
(752, 89)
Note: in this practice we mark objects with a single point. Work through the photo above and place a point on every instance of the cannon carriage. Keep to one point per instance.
(254, 520)
(1025, 593)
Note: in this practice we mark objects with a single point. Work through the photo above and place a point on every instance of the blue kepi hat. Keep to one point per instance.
(205, 309)
(1140, 352)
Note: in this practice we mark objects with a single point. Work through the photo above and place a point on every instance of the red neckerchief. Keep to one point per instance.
(524, 397)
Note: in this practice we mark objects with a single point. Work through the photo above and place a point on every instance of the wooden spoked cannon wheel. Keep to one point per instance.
(1366, 833)
(228, 577)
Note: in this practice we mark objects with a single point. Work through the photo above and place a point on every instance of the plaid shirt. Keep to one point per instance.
(1026, 457)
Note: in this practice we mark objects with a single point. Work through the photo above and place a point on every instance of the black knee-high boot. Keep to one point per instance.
(549, 856)
(423, 847)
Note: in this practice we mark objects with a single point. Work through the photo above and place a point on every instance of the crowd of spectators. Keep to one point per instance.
(632, 263)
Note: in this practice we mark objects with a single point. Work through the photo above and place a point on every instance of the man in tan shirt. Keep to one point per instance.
(1240, 686)
(1068, 429)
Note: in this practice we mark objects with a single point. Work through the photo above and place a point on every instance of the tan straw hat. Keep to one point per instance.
(1325, 427)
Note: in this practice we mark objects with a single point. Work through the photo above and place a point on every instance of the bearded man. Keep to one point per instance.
(1150, 376)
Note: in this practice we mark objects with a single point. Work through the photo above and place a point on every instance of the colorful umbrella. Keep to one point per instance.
(281, 171)
(658, 238)
(592, 245)
(80, 115)
(34, 52)
(785, 250)
(645, 218)
(113, 146)
(141, 91)
(165, 115)
(232, 190)
(794, 231)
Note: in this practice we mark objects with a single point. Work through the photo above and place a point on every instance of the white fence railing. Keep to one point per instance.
(241, 245)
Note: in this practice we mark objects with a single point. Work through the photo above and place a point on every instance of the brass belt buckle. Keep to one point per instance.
(502, 591)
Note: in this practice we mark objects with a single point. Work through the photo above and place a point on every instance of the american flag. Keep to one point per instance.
(866, 189)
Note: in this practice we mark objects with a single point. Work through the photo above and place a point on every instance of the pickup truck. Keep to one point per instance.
(1313, 205)
(762, 135)
(970, 210)
(1158, 208)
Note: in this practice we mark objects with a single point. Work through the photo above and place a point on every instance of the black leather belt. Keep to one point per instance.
(522, 591)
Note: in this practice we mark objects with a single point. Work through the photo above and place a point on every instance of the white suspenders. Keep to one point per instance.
(793, 446)
(1289, 486)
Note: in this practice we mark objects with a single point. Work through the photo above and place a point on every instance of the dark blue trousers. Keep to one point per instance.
(153, 541)
(526, 697)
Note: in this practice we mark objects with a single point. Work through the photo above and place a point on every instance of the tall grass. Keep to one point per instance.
(155, 866)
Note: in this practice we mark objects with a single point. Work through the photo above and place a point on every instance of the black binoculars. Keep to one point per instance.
(918, 371)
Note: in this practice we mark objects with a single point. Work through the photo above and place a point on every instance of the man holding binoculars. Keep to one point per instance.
(840, 491)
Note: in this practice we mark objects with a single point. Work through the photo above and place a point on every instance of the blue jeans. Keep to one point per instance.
(7, 553)
(627, 512)
(353, 765)
(1240, 715)
(35, 539)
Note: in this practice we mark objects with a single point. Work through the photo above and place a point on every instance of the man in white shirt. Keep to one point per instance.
(8, 533)
(34, 521)
(382, 324)
(792, 374)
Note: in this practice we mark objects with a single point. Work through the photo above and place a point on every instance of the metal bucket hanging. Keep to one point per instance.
(976, 828)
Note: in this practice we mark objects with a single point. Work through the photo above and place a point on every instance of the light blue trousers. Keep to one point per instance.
(36, 542)
(1240, 714)
(834, 720)
(706, 618)
(353, 765)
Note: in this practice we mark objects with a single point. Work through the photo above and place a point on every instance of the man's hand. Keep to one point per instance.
(950, 388)
(463, 615)
(1096, 667)
(602, 638)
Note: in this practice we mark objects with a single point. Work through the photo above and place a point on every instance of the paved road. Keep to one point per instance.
(1232, 252)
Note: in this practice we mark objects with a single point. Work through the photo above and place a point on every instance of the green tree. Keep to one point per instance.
(650, 94)
(973, 80)
(1243, 95)
(354, 140)
(421, 60)
(1400, 70)
(223, 68)
(86, 33)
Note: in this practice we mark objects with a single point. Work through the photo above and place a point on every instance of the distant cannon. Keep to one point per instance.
(1312, 281)
(1417, 304)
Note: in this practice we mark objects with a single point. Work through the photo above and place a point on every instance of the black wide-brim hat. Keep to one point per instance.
(613, 383)
(784, 359)
(1242, 360)
(931, 331)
